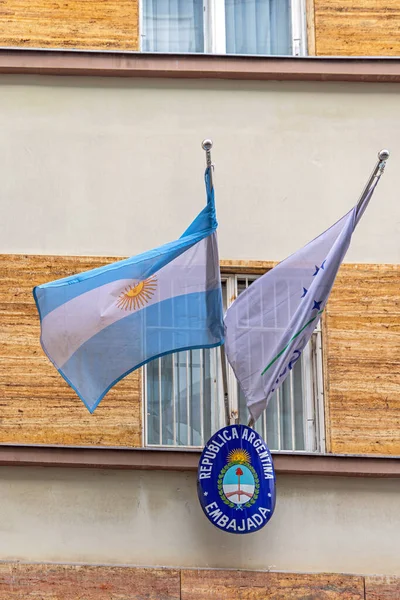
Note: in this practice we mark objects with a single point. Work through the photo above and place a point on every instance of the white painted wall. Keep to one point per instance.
(114, 166)
(321, 524)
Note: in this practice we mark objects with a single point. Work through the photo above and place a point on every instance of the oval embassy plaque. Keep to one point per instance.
(236, 480)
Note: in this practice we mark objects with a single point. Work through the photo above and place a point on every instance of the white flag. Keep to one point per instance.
(270, 323)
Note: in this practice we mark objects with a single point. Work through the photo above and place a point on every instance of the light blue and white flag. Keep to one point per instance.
(98, 326)
(270, 323)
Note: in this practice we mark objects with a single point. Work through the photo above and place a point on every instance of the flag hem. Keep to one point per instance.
(96, 404)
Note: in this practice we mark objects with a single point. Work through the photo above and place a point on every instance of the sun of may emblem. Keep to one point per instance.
(137, 296)
(238, 482)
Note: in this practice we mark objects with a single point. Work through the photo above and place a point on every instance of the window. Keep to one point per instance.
(255, 27)
(184, 397)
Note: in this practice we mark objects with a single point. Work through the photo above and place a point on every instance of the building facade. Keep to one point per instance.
(101, 159)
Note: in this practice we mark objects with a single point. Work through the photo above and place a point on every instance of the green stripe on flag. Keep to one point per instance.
(288, 344)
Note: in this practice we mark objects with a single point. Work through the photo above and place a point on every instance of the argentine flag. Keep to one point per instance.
(98, 326)
(271, 322)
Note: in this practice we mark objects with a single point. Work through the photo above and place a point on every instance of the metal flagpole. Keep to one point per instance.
(207, 145)
(383, 156)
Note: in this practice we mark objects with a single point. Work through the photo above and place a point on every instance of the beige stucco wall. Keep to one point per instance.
(114, 166)
(154, 518)
(107, 166)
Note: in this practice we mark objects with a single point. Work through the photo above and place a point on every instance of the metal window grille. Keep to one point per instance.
(184, 397)
(292, 421)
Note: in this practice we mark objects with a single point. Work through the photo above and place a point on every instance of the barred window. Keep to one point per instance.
(183, 396)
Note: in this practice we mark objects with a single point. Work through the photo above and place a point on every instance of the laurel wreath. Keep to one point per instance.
(224, 499)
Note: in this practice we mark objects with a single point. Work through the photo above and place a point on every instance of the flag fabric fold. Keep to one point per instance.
(98, 326)
(269, 324)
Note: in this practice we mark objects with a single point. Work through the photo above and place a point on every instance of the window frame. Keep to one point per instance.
(215, 34)
(312, 365)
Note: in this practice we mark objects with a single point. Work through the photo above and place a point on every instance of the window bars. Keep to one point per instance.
(183, 397)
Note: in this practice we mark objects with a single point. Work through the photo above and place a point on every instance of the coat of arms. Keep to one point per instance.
(236, 480)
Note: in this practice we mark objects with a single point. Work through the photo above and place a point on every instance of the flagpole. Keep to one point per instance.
(207, 145)
(383, 156)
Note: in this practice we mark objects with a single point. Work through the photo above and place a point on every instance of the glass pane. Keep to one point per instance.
(153, 404)
(286, 416)
(166, 388)
(258, 27)
(300, 443)
(182, 398)
(195, 396)
(272, 436)
(173, 26)
(207, 393)
(243, 412)
(241, 285)
(182, 433)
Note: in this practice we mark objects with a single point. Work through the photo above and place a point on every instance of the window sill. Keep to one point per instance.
(197, 66)
(187, 460)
